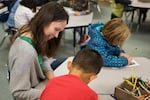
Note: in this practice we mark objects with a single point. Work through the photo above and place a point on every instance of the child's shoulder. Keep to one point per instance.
(98, 26)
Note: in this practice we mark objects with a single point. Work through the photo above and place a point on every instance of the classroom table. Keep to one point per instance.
(82, 21)
(109, 78)
(137, 5)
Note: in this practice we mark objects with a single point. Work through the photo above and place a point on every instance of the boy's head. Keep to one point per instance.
(86, 64)
(116, 31)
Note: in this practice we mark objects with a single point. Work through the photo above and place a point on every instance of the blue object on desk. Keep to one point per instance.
(57, 62)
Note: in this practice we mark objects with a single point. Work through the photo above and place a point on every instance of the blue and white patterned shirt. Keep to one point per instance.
(109, 52)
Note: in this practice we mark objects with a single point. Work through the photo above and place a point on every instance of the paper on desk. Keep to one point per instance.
(115, 68)
(134, 63)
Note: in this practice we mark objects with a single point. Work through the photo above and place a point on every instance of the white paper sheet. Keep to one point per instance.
(134, 63)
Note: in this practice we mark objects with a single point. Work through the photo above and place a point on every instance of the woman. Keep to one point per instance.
(28, 56)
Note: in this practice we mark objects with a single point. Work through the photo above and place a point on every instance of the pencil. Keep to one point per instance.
(132, 75)
(130, 83)
(132, 72)
(133, 52)
(135, 83)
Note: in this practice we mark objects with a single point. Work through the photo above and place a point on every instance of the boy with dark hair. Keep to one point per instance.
(83, 69)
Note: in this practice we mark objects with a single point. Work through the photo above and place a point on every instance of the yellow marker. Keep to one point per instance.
(130, 83)
(132, 75)
(135, 83)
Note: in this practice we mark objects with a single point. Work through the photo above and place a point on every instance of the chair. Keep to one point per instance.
(4, 13)
(9, 32)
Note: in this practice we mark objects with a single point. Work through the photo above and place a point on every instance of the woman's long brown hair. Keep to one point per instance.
(50, 12)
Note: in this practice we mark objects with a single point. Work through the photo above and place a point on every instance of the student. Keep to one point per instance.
(10, 21)
(9, 4)
(84, 68)
(24, 12)
(28, 56)
(118, 7)
(108, 40)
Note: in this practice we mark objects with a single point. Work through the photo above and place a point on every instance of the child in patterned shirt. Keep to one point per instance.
(108, 40)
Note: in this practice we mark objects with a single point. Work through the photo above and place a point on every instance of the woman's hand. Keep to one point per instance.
(128, 57)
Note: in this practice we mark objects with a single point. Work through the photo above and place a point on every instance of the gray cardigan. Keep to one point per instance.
(25, 71)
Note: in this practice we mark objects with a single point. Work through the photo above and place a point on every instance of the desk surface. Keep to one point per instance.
(78, 21)
(136, 3)
(109, 78)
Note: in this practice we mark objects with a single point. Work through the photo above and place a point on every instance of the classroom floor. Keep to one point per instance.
(139, 39)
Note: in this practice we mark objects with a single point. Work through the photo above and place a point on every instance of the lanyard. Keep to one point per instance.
(40, 59)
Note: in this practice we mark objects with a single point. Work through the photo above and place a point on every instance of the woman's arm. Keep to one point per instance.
(24, 77)
(47, 68)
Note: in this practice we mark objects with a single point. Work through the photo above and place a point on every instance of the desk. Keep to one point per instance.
(82, 21)
(78, 21)
(136, 4)
(109, 78)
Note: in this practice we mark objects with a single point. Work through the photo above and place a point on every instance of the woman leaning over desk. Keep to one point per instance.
(28, 56)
